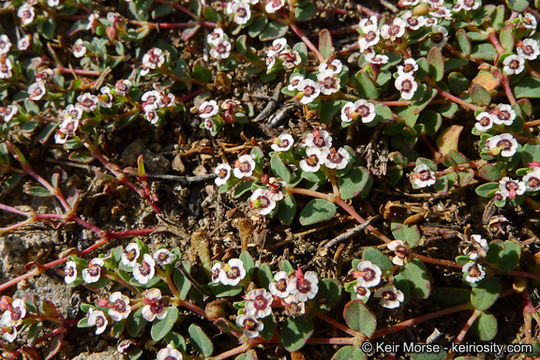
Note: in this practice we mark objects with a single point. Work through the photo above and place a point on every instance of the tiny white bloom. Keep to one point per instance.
(93, 272)
(510, 188)
(309, 91)
(400, 250)
(146, 270)
(241, 12)
(361, 292)
(532, 179)
(53, 3)
(422, 176)
(413, 22)
(313, 161)
(169, 353)
(70, 272)
(295, 80)
(24, 42)
(390, 296)
(278, 45)
(26, 13)
(439, 36)
(88, 102)
(97, 318)
(221, 50)
(303, 287)
(479, 247)
(475, 272)
(216, 272)
(244, 166)
(394, 30)
(215, 37)
(208, 109)
(106, 98)
(154, 307)
(318, 138)
(364, 110)
(485, 121)
(504, 144)
(5, 44)
(336, 159)
(163, 257)
(513, 64)
(328, 81)
(260, 201)
(7, 113)
(130, 255)
(259, 303)
(368, 39)
(223, 173)
(232, 272)
(504, 115)
(529, 22)
(279, 286)
(119, 306)
(409, 67)
(16, 314)
(153, 59)
(271, 6)
(528, 49)
(282, 143)
(369, 24)
(36, 91)
(122, 87)
(79, 49)
(407, 85)
(335, 66)
(251, 326)
(370, 274)
(375, 59)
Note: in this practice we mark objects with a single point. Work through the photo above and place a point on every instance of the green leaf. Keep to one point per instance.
(257, 25)
(84, 157)
(449, 139)
(485, 327)
(182, 283)
(354, 182)
(329, 293)
(287, 210)
(201, 340)
(416, 274)
(249, 355)
(280, 169)
(201, 72)
(296, 332)
(317, 210)
(270, 325)
(359, 317)
(530, 153)
(383, 114)
(264, 276)
(176, 339)
(485, 293)
(432, 121)
(527, 88)
(436, 63)
(31, 107)
(38, 191)
(505, 255)
(273, 31)
(242, 188)
(433, 355)
(221, 290)
(484, 51)
(479, 95)
(518, 5)
(325, 44)
(349, 353)
(497, 18)
(248, 263)
(305, 12)
(506, 37)
(464, 43)
(161, 328)
(136, 323)
(365, 86)
(408, 233)
(378, 258)
(492, 172)
(287, 266)
(487, 190)
(457, 82)
(329, 109)
(211, 15)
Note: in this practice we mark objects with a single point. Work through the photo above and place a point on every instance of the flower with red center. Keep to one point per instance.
(244, 166)
(259, 303)
(528, 21)
(7, 113)
(26, 13)
(375, 59)
(232, 273)
(504, 115)
(260, 201)
(152, 60)
(413, 22)
(130, 255)
(36, 91)
(98, 319)
(276, 189)
(70, 271)
(368, 274)
(528, 49)
(532, 180)
(279, 286)
(511, 188)
(295, 80)
(241, 12)
(223, 173)
(441, 13)
(8, 332)
(309, 90)
(477, 248)
(369, 24)
(5, 44)
(407, 85)
(278, 45)
(405, 3)
(17, 312)
(422, 176)
(318, 138)
(409, 67)
(303, 286)
(361, 292)
(271, 6)
(513, 64)
(208, 109)
(485, 121)
(215, 37)
(336, 159)
(122, 87)
(431, 21)
(282, 143)
(328, 81)
(439, 35)
(364, 110)
(390, 296)
(222, 50)
(335, 66)
(66, 129)
(163, 257)
(394, 30)
(88, 102)
(504, 144)
(150, 100)
(469, 5)
(93, 19)
(144, 271)
(169, 353)
(251, 326)
(400, 250)
(151, 115)
(119, 308)
(368, 39)
(74, 111)
(313, 161)
(153, 305)
(291, 58)
(24, 42)
(93, 272)
(473, 272)
(79, 49)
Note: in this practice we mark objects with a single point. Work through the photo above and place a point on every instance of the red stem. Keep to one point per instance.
(306, 41)
(64, 70)
(453, 98)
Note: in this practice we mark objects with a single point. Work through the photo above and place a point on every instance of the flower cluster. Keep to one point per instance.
(12, 317)
(220, 44)
(214, 115)
(280, 55)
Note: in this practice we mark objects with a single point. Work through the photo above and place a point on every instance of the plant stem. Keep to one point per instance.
(453, 98)
(68, 71)
(229, 353)
(336, 324)
(476, 313)
(532, 123)
(306, 41)
(178, 7)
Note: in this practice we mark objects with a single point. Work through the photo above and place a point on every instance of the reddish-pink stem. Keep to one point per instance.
(508, 90)
(64, 70)
(336, 324)
(178, 7)
(454, 99)
(306, 41)
(459, 338)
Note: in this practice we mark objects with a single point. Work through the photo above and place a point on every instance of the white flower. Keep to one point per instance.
(216, 272)
(278, 45)
(88, 102)
(7, 113)
(375, 59)
(241, 11)
(361, 108)
(409, 2)
(441, 12)
(97, 318)
(369, 274)
(250, 325)
(475, 272)
(208, 109)
(215, 37)
(409, 67)
(394, 30)
(26, 13)
(119, 306)
(154, 307)
(92, 21)
(79, 49)
(413, 22)
(400, 250)
(166, 100)
(271, 6)
(232, 272)
(260, 201)
(369, 24)
(5, 44)
(478, 247)
(504, 115)
(276, 191)
(422, 176)
(151, 115)
(431, 21)
(53, 3)
(9, 332)
(36, 91)
(221, 50)
(259, 303)
(532, 179)
(150, 100)
(407, 85)
(510, 188)
(5, 68)
(93, 272)
(390, 296)
(303, 286)
(16, 313)
(439, 36)
(336, 159)
(74, 111)
(70, 272)
(291, 58)
(328, 82)
(244, 166)
(106, 98)
(163, 257)
(513, 64)
(469, 5)
(504, 144)
(24, 42)
(223, 173)
(528, 49)
(279, 286)
(122, 87)
(282, 143)
(314, 160)
(144, 271)
(169, 353)
(130, 255)
(335, 66)
(361, 292)
(318, 138)
(295, 80)
(66, 129)
(309, 91)
(368, 39)
(153, 59)
(529, 22)
(485, 121)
